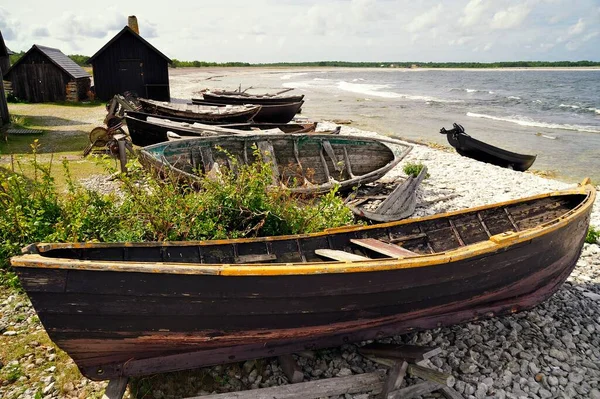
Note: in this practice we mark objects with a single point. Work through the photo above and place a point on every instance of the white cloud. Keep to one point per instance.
(578, 28)
(510, 18)
(426, 19)
(473, 13)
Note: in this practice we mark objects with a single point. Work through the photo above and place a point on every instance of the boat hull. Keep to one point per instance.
(467, 146)
(249, 99)
(216, 116)
(269, 113)
(114, 322)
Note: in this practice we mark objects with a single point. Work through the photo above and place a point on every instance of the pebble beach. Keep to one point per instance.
(552, 351)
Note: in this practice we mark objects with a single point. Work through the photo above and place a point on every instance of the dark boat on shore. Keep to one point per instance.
(469, 147)
(269, 113)
(201, 113)
(243, 98)
(131, 309)
(303, 163)
(147, 129)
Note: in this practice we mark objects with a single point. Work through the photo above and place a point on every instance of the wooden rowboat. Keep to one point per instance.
(201, 113)
(269, 113)
(304, 163)
(132, 309)
(467, 146)
(146, 129)
(400, 203)
(243, 98)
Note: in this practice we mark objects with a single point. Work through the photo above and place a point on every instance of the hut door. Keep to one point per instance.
(131, 76)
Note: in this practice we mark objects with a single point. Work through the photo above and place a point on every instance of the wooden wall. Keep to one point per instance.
(4, 116)
(110, 77)
(36, 79)
(4, 64)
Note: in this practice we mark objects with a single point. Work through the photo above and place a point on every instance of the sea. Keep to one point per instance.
(552, 113)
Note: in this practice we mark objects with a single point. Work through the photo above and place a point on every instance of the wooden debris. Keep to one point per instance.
(115, 388)
(415, 390)
(431, 375)
(395, 378)
(359, 383)
(450, 393)
(406, 352)
(339, 255)
(290, 368)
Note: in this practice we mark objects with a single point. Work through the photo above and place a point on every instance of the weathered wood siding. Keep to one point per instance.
(36, 79)
(4, 116)
(127, 50)
(4, 64)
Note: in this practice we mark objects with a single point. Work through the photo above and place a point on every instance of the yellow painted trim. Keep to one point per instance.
(495, 243)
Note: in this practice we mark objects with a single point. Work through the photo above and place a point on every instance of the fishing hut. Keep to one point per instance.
(4, 65)
(45, 74)
(130, 63)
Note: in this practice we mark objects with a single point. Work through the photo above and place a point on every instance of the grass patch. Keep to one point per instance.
(593, 235)
(413, 169)
(84, 104)
(47, 143)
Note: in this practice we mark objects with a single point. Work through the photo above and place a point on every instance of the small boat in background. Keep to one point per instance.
(201, 113)
(469, 147)
(234, 97)
(269, 113)
(303, 163)
(147, 129)
(132, 309)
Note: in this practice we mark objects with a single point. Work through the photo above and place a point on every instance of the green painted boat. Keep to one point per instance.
(304, 163)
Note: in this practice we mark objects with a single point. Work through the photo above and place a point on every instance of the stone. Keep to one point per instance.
(48, 388)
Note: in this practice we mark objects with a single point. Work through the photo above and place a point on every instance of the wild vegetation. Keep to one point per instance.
(413, 169)
(240, 204)
(593, 235)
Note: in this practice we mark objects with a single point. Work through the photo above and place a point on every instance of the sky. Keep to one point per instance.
(306, 30)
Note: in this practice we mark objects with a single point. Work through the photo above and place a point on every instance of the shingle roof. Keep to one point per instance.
(118, 35)
(63, 62)
(4, 51)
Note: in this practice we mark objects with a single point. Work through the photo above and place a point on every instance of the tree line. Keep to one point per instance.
(83, 60)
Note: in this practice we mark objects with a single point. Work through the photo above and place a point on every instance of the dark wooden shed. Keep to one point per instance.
(129, 63)
(4, 65)
(45, 74)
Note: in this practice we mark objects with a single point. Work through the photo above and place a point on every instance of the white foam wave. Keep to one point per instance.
(596, 110)
(473, 90)
(376, 91)
(529, 122)
(513, 97)
(292, 75)
(569, 106)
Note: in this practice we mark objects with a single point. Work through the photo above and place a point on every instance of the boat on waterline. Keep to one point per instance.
(303, 163)
(201, 113)
(244, 98)
(131, 309)
(147, 129)
(269, 113)
(467, 146)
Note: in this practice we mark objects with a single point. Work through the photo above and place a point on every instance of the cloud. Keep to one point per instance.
(73, 27)
(473, 12)
(8, 25)
(578, 28)
(148, 29)
(40, 31)
(425, 20)
(510, 18)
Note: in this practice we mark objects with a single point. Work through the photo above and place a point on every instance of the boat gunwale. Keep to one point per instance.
(32, 258)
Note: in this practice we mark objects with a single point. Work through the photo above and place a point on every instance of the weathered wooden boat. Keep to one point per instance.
(243, 98)
(400, 203)
(201, 113)
(467, 146)
(304, 163)
(130, 309)
(147, 129)
(269, 113)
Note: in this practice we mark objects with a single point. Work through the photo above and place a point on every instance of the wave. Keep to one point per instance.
(588, 109)
(473, 90)
(376, 91)
(531, 123)
(569, 106)
(513, 97)
(288, 76)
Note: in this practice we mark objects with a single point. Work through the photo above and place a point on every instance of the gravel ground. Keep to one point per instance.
(552, 351)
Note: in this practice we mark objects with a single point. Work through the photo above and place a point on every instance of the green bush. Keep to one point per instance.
(413, 169)
(240, 204)
(593, 235)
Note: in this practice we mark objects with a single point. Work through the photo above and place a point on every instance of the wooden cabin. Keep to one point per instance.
(4, 65)
(129, 63)
(45, 74)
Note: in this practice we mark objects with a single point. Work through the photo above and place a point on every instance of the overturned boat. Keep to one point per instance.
(467, 146)
(130, 309)
(201, 113)
(236, 97)
(303, 163)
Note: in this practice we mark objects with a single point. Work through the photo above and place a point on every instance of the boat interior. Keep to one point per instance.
(392, 240)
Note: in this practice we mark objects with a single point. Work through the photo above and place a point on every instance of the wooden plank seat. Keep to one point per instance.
(391, 250)
(336, 254)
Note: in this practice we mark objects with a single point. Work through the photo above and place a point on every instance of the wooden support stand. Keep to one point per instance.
(400, 358)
